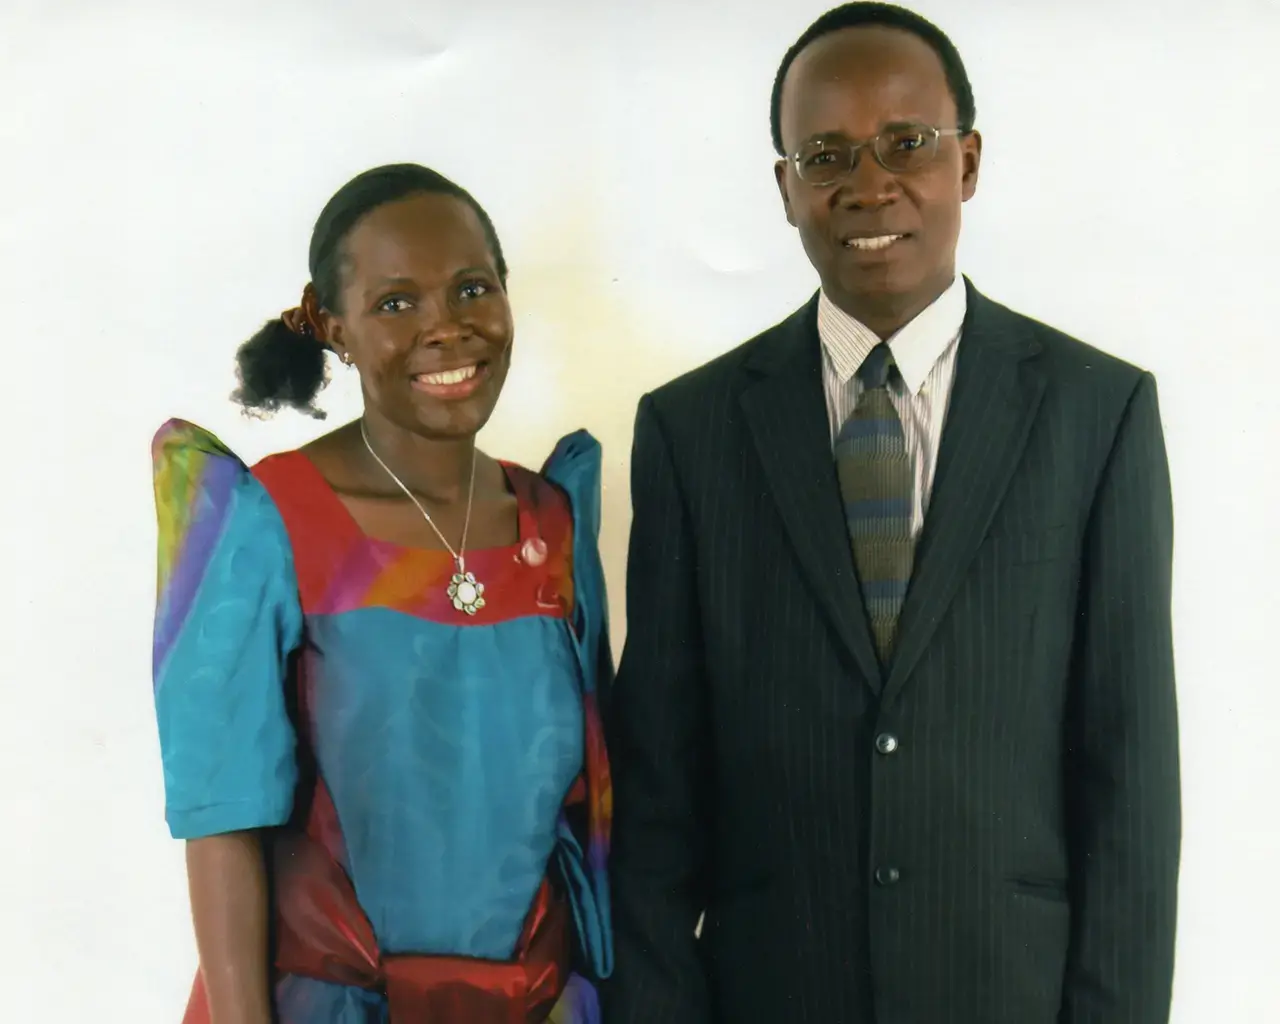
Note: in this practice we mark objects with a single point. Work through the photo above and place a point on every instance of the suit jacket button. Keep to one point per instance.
(886, 743)
(887, 876)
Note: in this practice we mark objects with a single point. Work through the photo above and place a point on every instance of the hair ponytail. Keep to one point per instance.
(277, 367)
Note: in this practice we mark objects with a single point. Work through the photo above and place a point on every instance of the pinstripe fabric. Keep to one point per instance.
(1011, 857)
(925, 351)
(875, 473)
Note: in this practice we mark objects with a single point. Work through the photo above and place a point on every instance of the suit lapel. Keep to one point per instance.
(994, 399)
(786, 411)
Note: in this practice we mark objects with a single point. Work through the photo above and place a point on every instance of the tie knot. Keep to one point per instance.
(876, 368)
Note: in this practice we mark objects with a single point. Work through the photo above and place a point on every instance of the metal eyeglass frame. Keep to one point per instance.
(856, 147)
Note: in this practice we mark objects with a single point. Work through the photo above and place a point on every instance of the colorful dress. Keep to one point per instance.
(433, 785)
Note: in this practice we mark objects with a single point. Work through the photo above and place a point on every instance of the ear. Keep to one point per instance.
(971, 160)
(332, 334)
(780, 174)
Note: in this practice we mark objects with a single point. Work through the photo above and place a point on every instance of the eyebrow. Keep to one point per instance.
(407, 282)
(899, 122)
(389, 282)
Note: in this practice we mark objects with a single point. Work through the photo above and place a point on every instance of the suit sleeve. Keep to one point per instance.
(658, 741)
(1122, 781)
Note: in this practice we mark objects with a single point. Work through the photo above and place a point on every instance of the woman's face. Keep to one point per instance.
(425, 317)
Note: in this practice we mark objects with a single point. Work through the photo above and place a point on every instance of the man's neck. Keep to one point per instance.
(885, 315)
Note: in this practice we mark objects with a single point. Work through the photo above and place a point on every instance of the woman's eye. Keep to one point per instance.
(393, 305)
(474, 289)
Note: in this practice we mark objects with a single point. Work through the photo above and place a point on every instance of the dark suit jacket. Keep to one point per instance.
(987, 833)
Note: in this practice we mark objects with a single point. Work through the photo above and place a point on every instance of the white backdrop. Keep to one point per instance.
(161, 165)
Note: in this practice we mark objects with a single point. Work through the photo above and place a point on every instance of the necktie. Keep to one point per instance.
(876, 481)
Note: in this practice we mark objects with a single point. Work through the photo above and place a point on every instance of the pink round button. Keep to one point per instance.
(534, 551)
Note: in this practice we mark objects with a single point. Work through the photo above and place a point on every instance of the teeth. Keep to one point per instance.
(871, 244)
(448, 376)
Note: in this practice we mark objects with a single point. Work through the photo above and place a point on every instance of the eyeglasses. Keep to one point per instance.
(901, 149)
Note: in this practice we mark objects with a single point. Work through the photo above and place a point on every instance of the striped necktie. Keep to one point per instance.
(876, 481)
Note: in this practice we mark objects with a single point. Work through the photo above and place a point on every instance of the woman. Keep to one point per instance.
(376, 657)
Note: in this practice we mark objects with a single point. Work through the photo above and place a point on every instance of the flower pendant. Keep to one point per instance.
(466, 592)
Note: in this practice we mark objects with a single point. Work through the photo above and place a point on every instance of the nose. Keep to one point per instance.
(439, 324)
(867, 186)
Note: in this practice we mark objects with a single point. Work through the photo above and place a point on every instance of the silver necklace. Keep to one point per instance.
(466, 593)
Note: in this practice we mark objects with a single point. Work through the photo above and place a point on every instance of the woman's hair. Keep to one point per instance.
(278, 366)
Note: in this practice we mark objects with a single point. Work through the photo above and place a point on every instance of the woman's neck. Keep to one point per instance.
(438, 469)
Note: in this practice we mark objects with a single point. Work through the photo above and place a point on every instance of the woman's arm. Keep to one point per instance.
(228, 619)
(227, 878)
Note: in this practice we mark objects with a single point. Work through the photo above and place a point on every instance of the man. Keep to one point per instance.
(896, 710)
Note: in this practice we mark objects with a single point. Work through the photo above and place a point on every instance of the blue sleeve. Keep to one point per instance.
(576, 466)
(227, 620)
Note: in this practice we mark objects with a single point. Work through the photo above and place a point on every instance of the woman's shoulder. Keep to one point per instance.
(577, 450)
(204, 490)
(181, 439)
(185, 451)
(567, 480)
(575, 465)
(221, 542)
(194, 472)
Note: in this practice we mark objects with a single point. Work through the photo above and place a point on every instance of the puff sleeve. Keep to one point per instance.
(227, 620)
(576, 465)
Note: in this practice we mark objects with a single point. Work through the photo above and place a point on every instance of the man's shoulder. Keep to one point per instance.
(1064, 350)
(1065, 358)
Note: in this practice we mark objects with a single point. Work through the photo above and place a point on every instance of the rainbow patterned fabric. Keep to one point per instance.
(290, 650)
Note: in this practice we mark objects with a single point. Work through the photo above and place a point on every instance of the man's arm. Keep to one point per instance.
(658, 742)
(1123, 764)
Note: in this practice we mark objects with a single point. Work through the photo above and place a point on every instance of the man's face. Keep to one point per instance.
(848, 87)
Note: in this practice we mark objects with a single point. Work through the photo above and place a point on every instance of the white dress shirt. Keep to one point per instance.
(925, 351)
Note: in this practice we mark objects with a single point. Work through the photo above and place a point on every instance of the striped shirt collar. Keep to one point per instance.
(916, 347)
